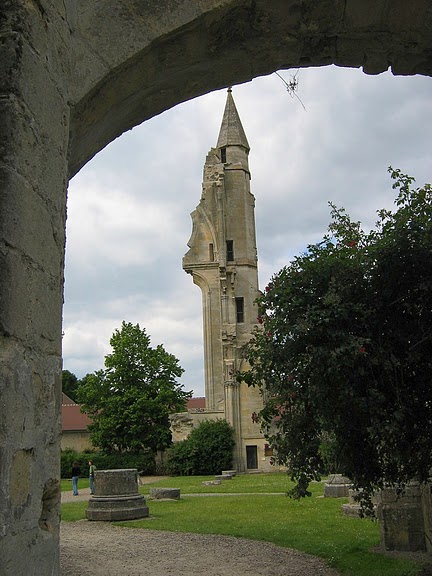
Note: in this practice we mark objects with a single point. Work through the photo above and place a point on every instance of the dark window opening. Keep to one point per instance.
(211, 253)
(230, 250)
(251, 457)
(223, 155)
(239, 309)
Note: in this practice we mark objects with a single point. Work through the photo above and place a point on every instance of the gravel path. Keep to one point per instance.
(102, 549)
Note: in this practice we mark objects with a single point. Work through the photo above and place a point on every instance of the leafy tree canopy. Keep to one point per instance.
(130, 401)
(69, 384)
(344, 350)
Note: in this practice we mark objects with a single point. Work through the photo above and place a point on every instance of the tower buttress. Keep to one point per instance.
(222, 260)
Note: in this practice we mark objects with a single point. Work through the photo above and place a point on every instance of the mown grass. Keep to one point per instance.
(66, 484)
(73, 511)
(243, 483)
(314, 525)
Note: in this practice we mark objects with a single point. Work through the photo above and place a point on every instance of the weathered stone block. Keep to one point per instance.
(118, 482)
(426, 500)
(353, 507)
(351, 510)
(211, 483)
(165, 493)
(401, 519)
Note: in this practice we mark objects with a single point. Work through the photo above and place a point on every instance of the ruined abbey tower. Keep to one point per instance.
(222, 260)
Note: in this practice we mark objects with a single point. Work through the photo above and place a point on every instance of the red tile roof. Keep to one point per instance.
(194, 403)
(72, 417)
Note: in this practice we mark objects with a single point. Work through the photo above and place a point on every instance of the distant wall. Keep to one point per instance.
(78, 441)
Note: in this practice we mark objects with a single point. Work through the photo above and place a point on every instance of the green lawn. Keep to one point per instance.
(243, 483)
(66, 484)
(314, 525)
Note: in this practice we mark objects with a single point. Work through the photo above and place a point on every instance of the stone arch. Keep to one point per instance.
(184, 50)
(75, 75)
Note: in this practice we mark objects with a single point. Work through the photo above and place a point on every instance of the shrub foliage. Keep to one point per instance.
(345, 349)
(207, 450)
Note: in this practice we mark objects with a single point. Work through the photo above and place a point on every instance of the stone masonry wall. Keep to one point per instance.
(33, 146)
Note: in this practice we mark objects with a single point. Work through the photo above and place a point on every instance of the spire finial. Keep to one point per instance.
(231, 131)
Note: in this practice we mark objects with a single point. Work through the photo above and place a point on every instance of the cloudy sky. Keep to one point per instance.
(129, 208)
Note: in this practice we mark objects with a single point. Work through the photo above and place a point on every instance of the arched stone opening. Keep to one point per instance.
(190, 50)
(74, 77)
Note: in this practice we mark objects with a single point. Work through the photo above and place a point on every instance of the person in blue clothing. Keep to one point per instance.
(76, 471)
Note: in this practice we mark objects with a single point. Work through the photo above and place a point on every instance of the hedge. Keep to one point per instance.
(144, 463)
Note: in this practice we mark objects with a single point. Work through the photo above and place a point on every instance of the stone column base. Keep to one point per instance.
(112, 508)
(116, 496)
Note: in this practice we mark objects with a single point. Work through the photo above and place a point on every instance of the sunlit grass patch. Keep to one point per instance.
(242, 483)
(314, 525)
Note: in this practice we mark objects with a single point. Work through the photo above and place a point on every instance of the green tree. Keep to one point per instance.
(69, 384)
(345, 349)
(207, 450)
(130, 401)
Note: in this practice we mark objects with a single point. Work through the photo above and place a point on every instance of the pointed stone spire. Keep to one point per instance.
(231, 132)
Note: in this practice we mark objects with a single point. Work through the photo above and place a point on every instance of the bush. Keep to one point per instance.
(207, 450)
(181, 458)
(144, 462)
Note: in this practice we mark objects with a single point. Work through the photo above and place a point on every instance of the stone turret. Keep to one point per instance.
(222, 260)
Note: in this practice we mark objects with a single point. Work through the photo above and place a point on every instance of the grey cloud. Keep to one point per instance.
(338, 150)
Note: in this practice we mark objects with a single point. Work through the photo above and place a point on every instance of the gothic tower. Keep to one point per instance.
(222, 260)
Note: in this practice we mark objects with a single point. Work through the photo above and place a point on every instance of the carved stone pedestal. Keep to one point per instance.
(337, 486)
(116, 497)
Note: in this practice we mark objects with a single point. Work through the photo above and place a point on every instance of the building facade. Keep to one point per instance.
(222, 260)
